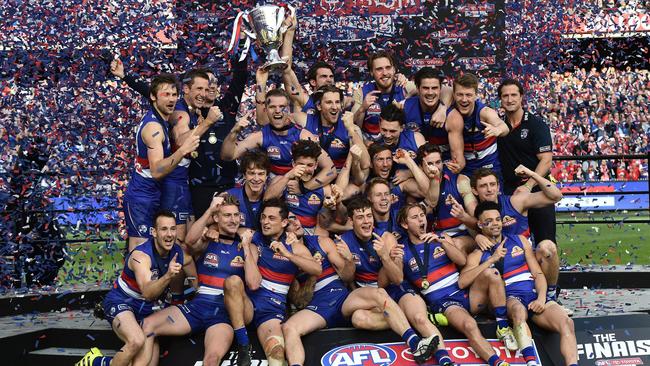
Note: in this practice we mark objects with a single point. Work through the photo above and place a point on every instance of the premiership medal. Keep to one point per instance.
(425, 284)
(212, 139)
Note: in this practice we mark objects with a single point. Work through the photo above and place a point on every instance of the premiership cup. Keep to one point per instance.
(266, 21)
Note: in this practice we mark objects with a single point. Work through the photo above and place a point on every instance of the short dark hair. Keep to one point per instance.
(467, 80)
(485, 206)
(279, 203)
(510, 81)
(426, 149)
(305, 148)
(320, 92)
(481, 173)
(160, 80)
(162, 213)
(376, 148)
(313, 70)
(376, 181)
(277, 92)
(380, 54)
(392, 113)
(403, 212)
(359, 202)
(427, 73)
(254, 159)
(191, 75)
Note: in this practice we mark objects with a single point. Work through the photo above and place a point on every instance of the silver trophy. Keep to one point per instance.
(266, 21)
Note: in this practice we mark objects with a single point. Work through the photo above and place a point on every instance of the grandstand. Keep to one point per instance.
(66, 140)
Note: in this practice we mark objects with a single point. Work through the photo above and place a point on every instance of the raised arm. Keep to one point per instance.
(494, 126)
(340, 256)
(252, 273)
(231, 149)
(154, 136)
(140, 263)
(474, 267)
(549, 193)
(357, 139)
(454, 127)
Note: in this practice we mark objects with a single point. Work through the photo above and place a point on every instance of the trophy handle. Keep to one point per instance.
(292, 13)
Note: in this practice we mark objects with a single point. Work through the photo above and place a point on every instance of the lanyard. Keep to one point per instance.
(325, 139)
(249, 210)
(422, 267)
(369, 249)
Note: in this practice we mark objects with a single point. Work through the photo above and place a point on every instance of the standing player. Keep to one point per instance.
(254, 167)
(525, 285)
(148, 271)
(529, 144)
(279, 256)
(473, 129)
(395, 136)
(154, 160)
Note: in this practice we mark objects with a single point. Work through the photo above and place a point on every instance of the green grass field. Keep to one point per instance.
(608, 244)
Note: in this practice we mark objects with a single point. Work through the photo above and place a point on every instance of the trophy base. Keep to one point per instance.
(275, 66)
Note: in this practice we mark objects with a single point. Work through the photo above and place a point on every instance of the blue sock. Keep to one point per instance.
(102, 361)
(528, 353)
(411, 339)
(242, 336)
(550, 292)
(442, 356)
(501, 314)
(493, 360)
(573, 364)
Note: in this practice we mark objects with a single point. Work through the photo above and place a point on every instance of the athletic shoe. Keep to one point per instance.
(438, 319)
(505, 335)
(503, 363)
(90, 357)
(426, 349)
(448, 363)
(244, 355)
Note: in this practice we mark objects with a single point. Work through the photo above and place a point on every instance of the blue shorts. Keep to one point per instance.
(266, 306)
(138, 215)
(176, 198)
(458, 298)
(396, 292)
(524, 297)
(203, 311)
(116, 302)
(328, 303)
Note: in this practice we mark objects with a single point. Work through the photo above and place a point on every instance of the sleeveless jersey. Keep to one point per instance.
(406, 142)
(371, 119)
(366, 260)
(445, 222)
(219, 262)
(306, 206)
(479, 151)
(249, 211)
(142, 184)
(513, 267)
(126, 282)
(181, 172)
(513, 221)
(310, 105)
(335, 139)
(418, 120)
(329, 278)
(278, 148)
(442, 273)
(277, 271)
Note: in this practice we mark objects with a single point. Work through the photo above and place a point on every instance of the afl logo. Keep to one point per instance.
(360, 354)
(273, 152)
(211, 260)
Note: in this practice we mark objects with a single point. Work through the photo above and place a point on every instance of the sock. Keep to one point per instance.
(550, 292)
(500, 313)
(573, 364)
(493, 360)
(102, 361)
(528, 353)
(442, 356)
(411, 339)
(242, 336)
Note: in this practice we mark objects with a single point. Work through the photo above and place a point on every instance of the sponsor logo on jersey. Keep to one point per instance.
(238, 262)
(314, 200)
(516, 251)
(337, 143)
(508, 220)
(438, 252)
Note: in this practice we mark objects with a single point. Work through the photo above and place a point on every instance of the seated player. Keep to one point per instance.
(430, 264)
(148, 271)
(279, 255)
(525, 285)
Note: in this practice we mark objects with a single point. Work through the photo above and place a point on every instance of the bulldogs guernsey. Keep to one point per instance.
(180, 174)
(306, 207)
(513, 221)
(513, 266)
(126, 294)
(371, 119)
(480, 152)
(335, 139)
(249, 211)
(278, 148)
(406, 142)
(366, 260)
(442, 274)
(419, 121)
(445, 221)
(218, 262)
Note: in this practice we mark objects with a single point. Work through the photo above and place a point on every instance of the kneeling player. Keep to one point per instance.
(525, 285)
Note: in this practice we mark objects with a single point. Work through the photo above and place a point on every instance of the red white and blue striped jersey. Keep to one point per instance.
(335, 139)
(278, 148)
(277, 271)
(127, 283)
(181, 172)
(479, 151)
(513, 221)
(371, 118)
(306, 206)
(445, 221)
(420, 121)
(514, 267)
(218, 262)
(367, 262)
(329, 278)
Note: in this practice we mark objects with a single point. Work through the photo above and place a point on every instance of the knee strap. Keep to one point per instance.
(272, 343)
(522, 335)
